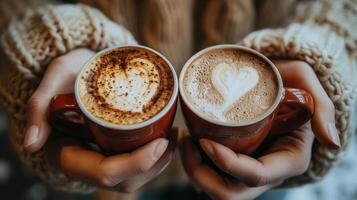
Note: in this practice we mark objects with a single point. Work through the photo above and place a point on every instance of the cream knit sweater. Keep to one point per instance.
(321, 33)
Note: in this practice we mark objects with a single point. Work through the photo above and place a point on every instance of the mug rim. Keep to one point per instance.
(145, 123)
(267, 113)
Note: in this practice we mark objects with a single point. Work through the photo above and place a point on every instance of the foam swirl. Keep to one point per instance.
(126, 86)
(130, 89)
(233, 83)
(230, 85)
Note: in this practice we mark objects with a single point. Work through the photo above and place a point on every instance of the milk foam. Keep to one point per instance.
(131, 89)
(127, 86)
(233, 83)
(229, 85)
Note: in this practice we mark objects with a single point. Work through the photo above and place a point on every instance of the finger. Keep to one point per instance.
(215, 186)
(277, 165)
(37, 129)
(202, 175)
(55, 81)
(299, 141)
(91, 166)
(300, 74)
(132, 184)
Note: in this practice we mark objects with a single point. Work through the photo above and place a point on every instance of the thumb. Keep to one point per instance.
(299, 74)
(323, 124)
(37, 128)
(58, 78)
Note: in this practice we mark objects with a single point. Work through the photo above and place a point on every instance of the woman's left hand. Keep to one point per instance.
(288, 156)
(248, 177)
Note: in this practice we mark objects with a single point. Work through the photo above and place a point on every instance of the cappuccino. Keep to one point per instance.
(230, 85)
(126, 86)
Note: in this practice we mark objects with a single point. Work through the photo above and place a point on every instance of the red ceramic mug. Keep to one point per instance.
(68, 115)
(246, 137)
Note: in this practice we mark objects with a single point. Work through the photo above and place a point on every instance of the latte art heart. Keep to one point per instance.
(233, 83)
(130, 89)
(126, 86)
(229, 85)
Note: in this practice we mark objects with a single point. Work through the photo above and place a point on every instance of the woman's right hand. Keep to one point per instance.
(123, 172)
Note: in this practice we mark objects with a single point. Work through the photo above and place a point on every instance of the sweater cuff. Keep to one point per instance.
(325, 52)
(28, 46)
(45, 33)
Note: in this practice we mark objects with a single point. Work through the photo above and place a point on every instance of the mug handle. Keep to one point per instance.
(301, 109)
(65, 116)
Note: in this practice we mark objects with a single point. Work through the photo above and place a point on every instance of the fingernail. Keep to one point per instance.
(160, 148)
(334, 134)
(31, 135)
(207, 146)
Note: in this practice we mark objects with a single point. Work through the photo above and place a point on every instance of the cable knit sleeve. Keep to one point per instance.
(324, 35)
(28, 46)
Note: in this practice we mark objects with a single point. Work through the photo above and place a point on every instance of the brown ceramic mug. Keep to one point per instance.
(68, 115)
(247, 136)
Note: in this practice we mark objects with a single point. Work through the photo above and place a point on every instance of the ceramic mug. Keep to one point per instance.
(64, 110)
(246, 137)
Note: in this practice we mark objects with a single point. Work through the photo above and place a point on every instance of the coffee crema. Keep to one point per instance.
(126, 86)
(230, 85)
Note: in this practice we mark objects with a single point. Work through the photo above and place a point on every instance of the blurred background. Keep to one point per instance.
(18, 183)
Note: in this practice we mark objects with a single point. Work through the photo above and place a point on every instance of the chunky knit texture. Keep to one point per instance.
(323, 34)
(29, 45)
(9, 9)
(328, 43)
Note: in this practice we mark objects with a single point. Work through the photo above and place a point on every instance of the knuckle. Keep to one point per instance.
(258, 180)
(262, 180)
(39, 96)
(225, 164)
(106, 180)
(34, 103)
(106, 177)
(144, 166)
(325, 105)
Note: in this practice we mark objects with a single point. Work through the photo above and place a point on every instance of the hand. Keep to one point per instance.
(288, 156)
(123, 172)
(246, 177)
(298, 74)
(59, 78)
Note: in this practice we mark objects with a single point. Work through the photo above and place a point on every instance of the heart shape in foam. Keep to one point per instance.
(132, 88)
(233, 83)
